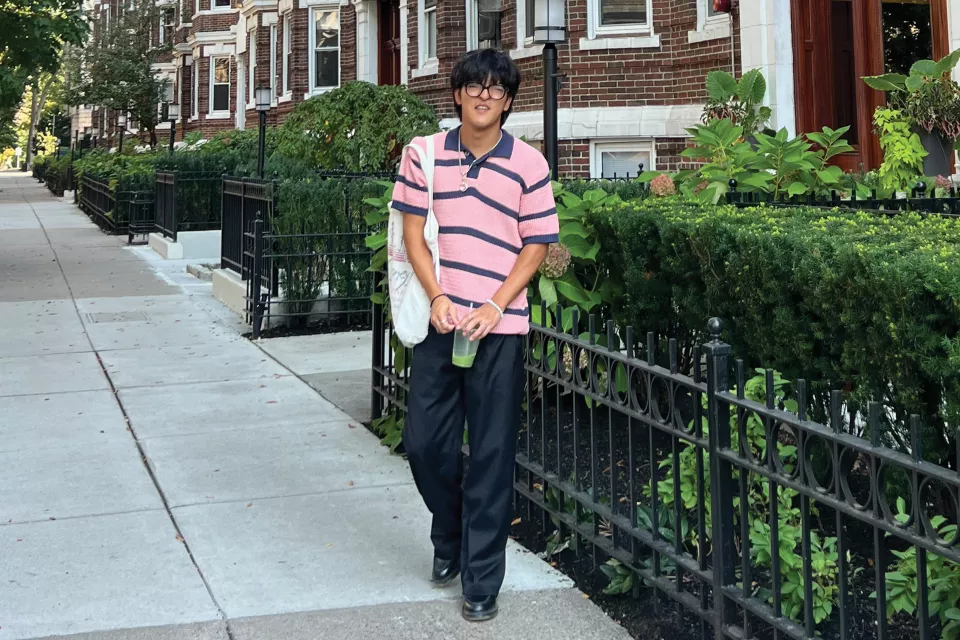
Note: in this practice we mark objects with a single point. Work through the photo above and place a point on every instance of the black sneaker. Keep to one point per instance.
(479, 609)
(444, 571)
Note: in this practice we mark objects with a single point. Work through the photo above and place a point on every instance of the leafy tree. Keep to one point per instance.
(116, 71)
(32, 35)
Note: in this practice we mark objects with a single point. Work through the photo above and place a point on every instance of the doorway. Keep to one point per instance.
(837, 42)
(389, 42)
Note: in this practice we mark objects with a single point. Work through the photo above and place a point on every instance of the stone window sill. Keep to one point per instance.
(715, 30)
(607, 43)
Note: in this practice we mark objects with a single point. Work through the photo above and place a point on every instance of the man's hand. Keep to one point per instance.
(443, 315)
(479, 322)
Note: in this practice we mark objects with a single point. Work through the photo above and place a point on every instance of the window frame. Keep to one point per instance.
(273, 62)
(472, 14)
(313, 89)
(213, 68)
(705, 19)
(596, 29)
(195, 97)
(423, 45)
(214, 6)
(251, 67)
(633, 145)
(165, 27)
(287, 53)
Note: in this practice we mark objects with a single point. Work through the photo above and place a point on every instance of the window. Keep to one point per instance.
(483, 26)
(219, 84)
(325, 71)
(220, 4)
(618, 16)
(428, 48)
(167, 26)
(195, 96)
(620, 159)
(273, 59)
(529, 14)
(286, 52)
(251, 66)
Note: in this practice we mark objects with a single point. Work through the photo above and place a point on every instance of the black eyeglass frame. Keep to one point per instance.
(488, 87)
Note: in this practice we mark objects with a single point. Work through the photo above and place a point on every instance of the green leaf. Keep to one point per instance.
(886, 82)
(647, 176)
(548, 291)
(914, 83)
(947, 63)
(796, 189)
(924, 68)
(376, 241)
(830, 175)
(721, 85)
(573, 293)
(752, 86)
(952, 614)
(582, 248)
(573, 228)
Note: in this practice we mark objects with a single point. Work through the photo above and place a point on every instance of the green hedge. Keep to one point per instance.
(857, 301)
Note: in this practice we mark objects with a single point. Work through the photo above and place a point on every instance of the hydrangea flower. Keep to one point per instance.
(556, 262)
(662, 186)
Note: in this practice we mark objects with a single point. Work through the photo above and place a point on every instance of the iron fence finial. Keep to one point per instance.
(715, 327)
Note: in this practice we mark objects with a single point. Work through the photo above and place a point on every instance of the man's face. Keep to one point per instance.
(483, 103)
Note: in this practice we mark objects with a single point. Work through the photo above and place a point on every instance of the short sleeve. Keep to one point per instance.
(410, 191)
(538, 210)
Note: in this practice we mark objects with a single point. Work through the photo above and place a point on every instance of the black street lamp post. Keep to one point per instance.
(173, 114)
(264, 96)
(94, 132)
(122, 124)
(550, 29)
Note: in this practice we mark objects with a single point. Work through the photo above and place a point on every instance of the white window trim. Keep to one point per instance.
(595, 30)
(471, 12)
(709, 27)
(164, 26)
(528, 48)
(195, 98)
(426, 65)
(214, 7)
(287, 53)
(597, 147)
(251, 69)
(312, 48)
(274, 76)
(221, 113)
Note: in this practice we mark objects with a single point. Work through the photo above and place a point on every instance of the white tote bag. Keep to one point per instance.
(409, 303)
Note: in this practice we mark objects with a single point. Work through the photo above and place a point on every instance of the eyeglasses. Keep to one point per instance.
(496, 92)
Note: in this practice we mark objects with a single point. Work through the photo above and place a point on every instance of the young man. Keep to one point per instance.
(494, 203)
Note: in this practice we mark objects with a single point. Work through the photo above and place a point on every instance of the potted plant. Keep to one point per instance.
(930, 99)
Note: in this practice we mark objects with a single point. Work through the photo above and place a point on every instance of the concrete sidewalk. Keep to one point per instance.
(163, 477)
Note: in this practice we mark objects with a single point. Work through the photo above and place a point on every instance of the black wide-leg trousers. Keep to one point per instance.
(472, 514)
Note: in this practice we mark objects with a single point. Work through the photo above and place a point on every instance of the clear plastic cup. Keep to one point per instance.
(464, 350)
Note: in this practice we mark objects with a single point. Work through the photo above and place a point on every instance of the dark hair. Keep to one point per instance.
(481, 65)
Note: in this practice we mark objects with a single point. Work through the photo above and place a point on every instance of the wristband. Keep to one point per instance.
(495, 306)
(435, 298)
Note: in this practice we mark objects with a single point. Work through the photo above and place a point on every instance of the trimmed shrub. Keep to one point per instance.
(858, 301)
(358, 127)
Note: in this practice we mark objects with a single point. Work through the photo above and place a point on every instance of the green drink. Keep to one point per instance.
(464, 350)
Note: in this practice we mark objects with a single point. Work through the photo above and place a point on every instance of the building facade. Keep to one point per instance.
(633, 71)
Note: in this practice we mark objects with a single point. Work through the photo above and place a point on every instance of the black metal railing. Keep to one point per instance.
(319, 279)
(944, 203)
(188, 201)
(670, 473)
(242, 200)
(39, 170)
(128, 212)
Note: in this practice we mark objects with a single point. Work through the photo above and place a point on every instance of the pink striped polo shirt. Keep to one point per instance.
(508, 204)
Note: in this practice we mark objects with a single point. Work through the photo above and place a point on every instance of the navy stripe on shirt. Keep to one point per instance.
(463, 302)
(403, 207)
(550, 239)
(453, 195)
(479, 235)
(411, 184)
(539, 185)
(542, 214)
(468, 268)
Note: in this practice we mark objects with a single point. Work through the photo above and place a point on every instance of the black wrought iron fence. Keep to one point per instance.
(128, 212)
(919, 200)
(188, 201)
(317, 279)
(717, 490)
(242, 200)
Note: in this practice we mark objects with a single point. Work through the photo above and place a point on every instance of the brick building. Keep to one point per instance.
(633, 70)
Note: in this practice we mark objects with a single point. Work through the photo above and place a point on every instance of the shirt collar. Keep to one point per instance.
(504, 148)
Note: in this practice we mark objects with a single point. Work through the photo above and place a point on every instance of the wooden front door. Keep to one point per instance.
(389, 38)
(837, 42)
